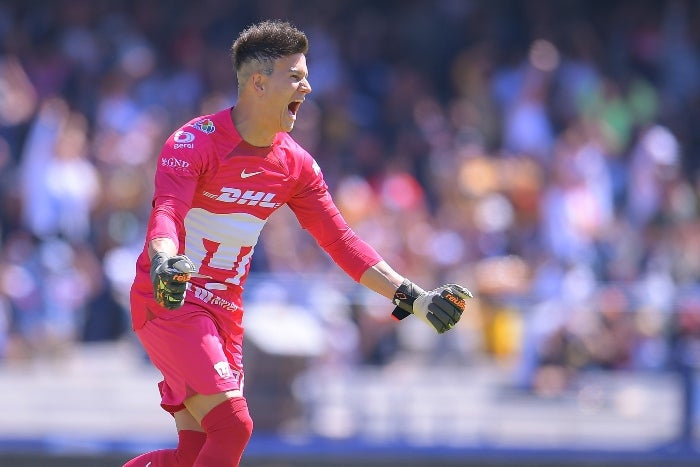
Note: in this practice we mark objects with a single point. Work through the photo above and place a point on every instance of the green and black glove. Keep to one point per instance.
(440, 308)
(170, 275)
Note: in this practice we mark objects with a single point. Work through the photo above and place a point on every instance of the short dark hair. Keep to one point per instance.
(266, 42)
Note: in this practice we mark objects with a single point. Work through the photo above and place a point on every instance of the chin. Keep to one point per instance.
(287, 123)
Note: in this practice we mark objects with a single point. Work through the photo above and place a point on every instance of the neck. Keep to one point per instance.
(250, 130)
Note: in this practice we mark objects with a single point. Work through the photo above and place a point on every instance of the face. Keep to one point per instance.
(285, 90)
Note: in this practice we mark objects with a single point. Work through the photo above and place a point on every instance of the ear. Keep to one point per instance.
(259, 82)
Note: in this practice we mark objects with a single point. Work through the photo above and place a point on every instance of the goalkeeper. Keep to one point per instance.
(218, 179)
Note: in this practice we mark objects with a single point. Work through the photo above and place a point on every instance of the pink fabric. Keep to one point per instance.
(192, 356)
(189, 444)
(213, 194)
(228, 427)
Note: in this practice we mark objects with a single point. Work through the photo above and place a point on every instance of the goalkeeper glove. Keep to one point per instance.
(440, 308)
(170, 276)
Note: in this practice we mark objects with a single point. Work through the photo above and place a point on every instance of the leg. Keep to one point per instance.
(225, 418)
(185, 421)
(191, 438)
(202, 373)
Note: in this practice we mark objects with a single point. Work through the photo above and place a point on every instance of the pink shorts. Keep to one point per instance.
(192, 356)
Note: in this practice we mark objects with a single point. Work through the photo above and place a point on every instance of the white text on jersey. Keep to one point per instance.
(174, 163)
(208, 297)
(249, 197)
(183, 139)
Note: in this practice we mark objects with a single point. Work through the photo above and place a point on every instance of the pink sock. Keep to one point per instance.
(228, 427)
(189, 444)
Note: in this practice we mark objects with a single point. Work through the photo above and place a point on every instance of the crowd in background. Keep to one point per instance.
(543, 153)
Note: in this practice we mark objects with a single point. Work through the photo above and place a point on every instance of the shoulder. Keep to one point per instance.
(201, 135)
(206, 129)
(190, 148)
(193, 134)
(299, 161)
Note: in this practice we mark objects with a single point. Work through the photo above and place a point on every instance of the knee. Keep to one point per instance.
(230, 417)
(244, 418)
(228, 427)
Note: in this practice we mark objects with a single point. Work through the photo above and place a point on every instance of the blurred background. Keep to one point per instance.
(545, 154)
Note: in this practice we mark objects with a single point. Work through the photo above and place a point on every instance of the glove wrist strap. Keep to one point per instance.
(404, 297)
(158, 259)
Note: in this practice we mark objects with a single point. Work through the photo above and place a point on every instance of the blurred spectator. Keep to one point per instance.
(549, 156)
(60, 185)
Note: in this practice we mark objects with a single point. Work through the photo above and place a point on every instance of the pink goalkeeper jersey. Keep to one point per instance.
(213, 194)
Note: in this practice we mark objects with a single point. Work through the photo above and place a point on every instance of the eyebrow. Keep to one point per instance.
(297, 70)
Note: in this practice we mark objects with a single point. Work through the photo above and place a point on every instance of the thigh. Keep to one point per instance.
(193, 357)
(185, 421)
(200, 404)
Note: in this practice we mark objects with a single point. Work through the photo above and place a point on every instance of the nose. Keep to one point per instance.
(305, 86)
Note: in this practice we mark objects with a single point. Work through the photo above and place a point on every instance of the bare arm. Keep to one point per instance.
(382, 279)
(161, 245)
(440, 308)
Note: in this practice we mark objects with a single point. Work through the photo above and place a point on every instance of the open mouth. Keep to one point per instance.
(293, 108)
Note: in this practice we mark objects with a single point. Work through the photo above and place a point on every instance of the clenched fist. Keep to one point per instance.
(440, 308)
(170, 276)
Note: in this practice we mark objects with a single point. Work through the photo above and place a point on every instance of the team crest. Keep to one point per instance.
(205, 125)
(226, 372)
(224, 369)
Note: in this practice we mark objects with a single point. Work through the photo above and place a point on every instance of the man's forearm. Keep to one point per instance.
(161, 245)
(382, 279)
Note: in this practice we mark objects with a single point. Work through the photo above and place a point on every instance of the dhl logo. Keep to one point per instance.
(249, 197)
